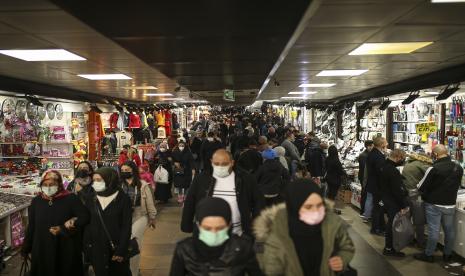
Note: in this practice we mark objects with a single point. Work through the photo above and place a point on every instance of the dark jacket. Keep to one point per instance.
(118, 220)
(238, 258)
(272, 177)
(334, 171)
(186, 160)
(375, 161)
(441, 182)
(249, 160)
(55, 255)
(208, 149)
(196, 145)
(315, 158)
(362, 158)
(413, 172)
(392, 188)
(249, 199)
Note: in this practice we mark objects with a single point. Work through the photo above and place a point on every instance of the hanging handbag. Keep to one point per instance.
(349, 271)
(25, 269)
(133, 247)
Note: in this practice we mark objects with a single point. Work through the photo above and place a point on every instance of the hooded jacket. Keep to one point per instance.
(413, 172)
(272, 177)
(279, 256)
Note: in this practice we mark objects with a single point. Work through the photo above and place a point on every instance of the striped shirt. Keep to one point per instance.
(225, 188)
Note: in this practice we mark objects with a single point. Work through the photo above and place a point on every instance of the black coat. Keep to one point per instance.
(375, 161)
(315, 158)
(196, 145)
(238, 258)
(207, 150)
(55, 255)
(272, 177)
(362, 158)
(442, 182)
(249, 160)
(392, 187)
(334, 171)
(249, 199)
(186, 160)
(118, 220)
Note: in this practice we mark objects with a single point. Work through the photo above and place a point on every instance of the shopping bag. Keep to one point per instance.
(402, 231)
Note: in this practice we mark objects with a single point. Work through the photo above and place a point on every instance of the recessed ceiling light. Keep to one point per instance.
(303, 92)
(158, 94)
(339, 73)
(293, 98)
(317, 85)
(139, 87)
(42, 55)
(105, 76)
(432, 92)
(447, 1)
(388, 48)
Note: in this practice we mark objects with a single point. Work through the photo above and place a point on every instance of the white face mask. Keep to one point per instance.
(181, 148)
(221, 171)
(162, 149)
(99, 186)
(210, 139)
(50, 191)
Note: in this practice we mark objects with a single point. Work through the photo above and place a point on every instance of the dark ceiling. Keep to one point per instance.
(205, 46)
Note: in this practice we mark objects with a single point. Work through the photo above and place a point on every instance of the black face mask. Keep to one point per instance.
(126, 175)
(400, 163)
(82, 173)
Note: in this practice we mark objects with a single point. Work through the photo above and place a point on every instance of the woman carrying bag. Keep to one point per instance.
(110, 225)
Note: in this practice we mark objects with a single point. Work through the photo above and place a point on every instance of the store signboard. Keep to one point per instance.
(228, 95)
(426, 128)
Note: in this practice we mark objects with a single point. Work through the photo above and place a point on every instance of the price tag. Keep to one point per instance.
(426, 128)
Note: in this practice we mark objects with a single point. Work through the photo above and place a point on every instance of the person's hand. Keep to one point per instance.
(152, 224)
(78, 187)
(69, 224)
(336, 264)
(405, 210)
(118, 259)
(55, 230)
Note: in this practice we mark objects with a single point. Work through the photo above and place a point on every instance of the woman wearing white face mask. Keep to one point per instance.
(163, 159)
(110, 225)
(54, 249)
(184, 169)
(213, 249)
(303, 237)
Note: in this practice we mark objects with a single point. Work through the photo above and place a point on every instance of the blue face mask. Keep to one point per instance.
(213, 239)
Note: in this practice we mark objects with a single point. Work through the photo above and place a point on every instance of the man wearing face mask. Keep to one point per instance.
(213, 248)
(303, 236)
(237, 187)
(207, 149)
(394, 195)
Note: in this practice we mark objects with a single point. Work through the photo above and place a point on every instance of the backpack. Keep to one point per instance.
(161, 175)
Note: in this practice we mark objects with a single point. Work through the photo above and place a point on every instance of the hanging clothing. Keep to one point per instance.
(120, 124)
(114, 119)
(143, 120)
(151, 122)
(96, 133)
(168, 125)
(160, 117)
(174, 119)
(124, 138)
(134, 121)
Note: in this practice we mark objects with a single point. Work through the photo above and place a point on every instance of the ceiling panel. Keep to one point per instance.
(22, 41)
(335, 35)
(404, 33)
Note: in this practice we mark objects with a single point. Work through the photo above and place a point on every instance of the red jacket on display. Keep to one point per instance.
(134, 121)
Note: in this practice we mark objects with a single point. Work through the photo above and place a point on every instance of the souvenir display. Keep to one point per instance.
(21, 109)
(41, 112)
(50, 111)
(8, 107)
(59, 111)
(372, 124)
(31, 111)
(325, 125)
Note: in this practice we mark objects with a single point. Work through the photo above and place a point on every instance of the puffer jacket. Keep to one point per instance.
(279, 256)
(272, 177)
(238, 258)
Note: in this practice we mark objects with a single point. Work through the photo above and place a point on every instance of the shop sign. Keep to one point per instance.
(426, 128)
(228, 95)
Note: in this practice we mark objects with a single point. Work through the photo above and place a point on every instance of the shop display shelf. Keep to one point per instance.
(57, 157)
(419, 121)
(19, 143)
(409, 143)
(19, 157)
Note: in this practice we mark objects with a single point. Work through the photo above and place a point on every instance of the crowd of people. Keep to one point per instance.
(257, 196)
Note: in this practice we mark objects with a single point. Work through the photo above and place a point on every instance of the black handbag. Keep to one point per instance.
(349, 271)
(133, 247)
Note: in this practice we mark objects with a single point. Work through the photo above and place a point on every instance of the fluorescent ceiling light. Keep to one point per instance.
(388, 48)
(317, 85)
(105, 76)
(303, 92)
(432, 92)
(447, 1)
(42, 55)
(139, 87)
(173, 99)
(339, 73)
(158, 94)
(293, 97)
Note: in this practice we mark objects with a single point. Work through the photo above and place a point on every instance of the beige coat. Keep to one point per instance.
(147, 203)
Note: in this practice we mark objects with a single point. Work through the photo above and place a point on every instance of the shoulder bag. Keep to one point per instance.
(133, 248)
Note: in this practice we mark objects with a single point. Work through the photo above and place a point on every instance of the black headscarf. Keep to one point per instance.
(210, 207)
(111, 178)
(307, 239)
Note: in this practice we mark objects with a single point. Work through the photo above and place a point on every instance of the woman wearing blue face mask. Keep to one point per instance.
(55, 248)
(213, 249)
